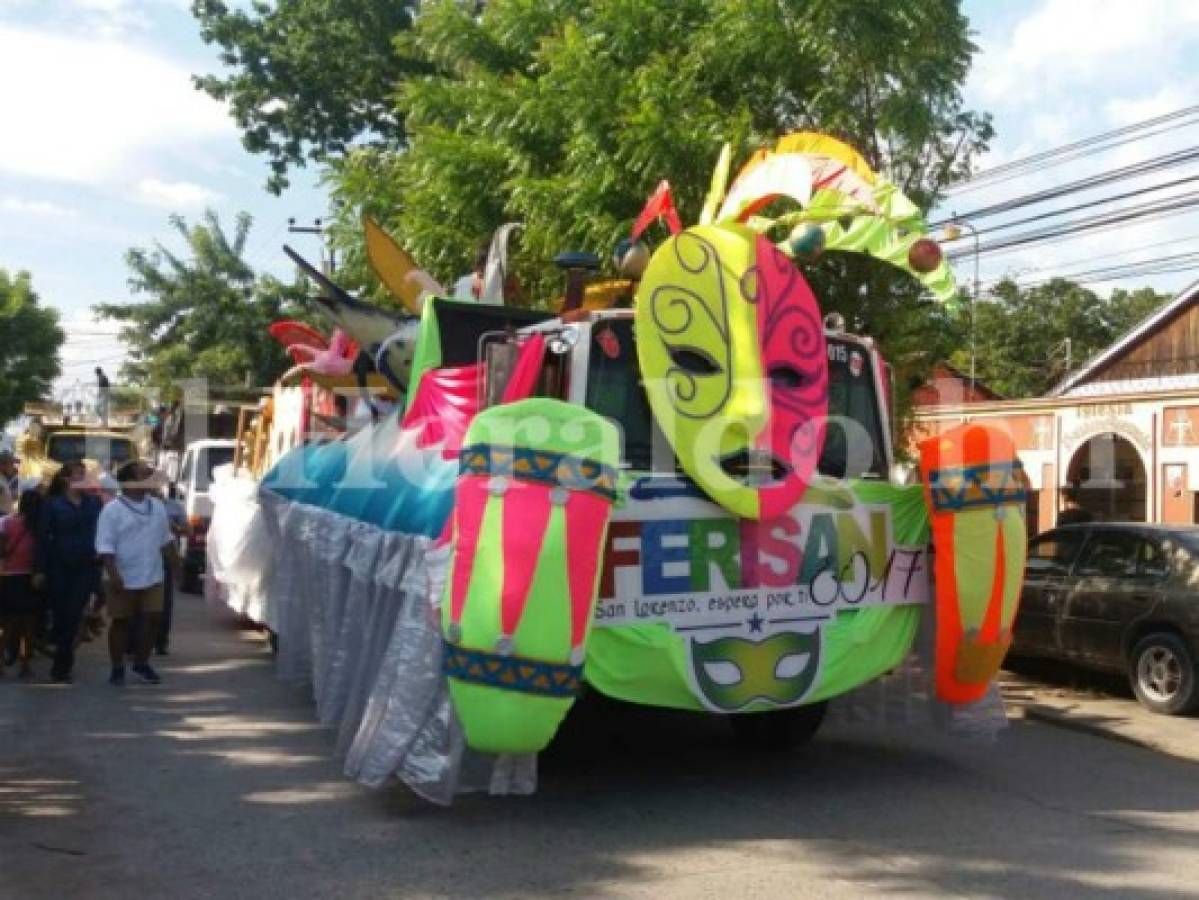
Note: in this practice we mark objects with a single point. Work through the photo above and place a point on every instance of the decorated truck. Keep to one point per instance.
(685, 503)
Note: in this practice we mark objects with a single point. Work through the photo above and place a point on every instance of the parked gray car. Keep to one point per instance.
(1117, 597)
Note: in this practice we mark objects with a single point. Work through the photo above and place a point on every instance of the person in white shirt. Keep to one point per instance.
(132, 538)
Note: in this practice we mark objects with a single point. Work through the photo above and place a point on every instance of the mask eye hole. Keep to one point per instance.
(786, 377)
(791, 666)
(693, 360)
(722, 673)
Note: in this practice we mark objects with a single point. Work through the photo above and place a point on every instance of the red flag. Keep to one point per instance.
(659, 205)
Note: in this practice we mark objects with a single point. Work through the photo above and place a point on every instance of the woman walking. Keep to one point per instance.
(20, 605)
(66, 559)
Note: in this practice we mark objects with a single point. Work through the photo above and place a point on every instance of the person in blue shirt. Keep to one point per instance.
(66, 559)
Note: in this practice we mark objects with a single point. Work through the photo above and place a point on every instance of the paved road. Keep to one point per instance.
(217, 784)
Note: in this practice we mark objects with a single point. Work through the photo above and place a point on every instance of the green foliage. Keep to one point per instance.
(1021, 333)
(30, 340)
(564, 115)
(308, 76)
(205, 314)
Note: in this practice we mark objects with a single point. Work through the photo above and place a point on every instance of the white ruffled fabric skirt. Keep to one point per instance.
(354, 609)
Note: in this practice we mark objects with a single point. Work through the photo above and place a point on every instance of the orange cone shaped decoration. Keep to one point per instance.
(976, 494)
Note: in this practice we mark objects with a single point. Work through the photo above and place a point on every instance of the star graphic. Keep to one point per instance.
(755, 622)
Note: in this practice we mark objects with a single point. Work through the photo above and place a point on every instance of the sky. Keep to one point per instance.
(104, 137)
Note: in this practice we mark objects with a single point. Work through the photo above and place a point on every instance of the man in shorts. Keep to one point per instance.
(133, 537)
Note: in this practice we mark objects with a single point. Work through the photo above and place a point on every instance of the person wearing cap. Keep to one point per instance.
(132, 539)
(177, 516)
(9, 483)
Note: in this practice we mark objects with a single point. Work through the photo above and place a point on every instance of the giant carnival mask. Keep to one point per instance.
(733, 356)
(730, 337)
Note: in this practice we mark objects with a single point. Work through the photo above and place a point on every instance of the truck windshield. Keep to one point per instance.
(614, 390)
(107, 451)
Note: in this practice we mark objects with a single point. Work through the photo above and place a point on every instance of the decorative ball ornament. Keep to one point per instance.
(631, 258)
(806, 242)
(924, 256)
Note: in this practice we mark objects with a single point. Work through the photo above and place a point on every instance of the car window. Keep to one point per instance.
(1111, 554)
(1053, 554)
(1153, 561)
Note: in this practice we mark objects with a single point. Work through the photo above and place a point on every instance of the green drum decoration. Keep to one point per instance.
(535, 490)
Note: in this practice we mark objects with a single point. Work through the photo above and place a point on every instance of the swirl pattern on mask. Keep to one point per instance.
(792, 339)
(695, 317)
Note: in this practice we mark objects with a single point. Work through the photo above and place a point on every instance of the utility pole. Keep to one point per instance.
(1066, 348)
(328, 254)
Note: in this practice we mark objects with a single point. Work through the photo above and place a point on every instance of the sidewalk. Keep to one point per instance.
(1097, 704)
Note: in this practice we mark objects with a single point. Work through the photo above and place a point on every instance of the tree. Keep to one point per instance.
(206, 315)
(30, 340)
(1020, 333)
(564, 114)
(309, 76)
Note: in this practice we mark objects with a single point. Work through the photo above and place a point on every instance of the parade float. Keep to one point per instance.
(684, 502)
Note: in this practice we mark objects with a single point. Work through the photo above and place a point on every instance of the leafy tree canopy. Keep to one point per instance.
(564, 114)
(205, 313)
(307, 76)
(1021, 333)
(30, 340)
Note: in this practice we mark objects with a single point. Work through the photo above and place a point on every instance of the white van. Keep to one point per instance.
(191, 489)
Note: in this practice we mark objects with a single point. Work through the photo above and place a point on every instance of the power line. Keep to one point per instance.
(1123, 275)
(1085, 147)
(1156, 209)
(1090, 259)
(1163, 265)
(1142, 266)
(1090, 204)
(1135, 170)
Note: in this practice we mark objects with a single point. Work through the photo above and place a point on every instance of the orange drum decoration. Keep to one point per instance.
(975, 490)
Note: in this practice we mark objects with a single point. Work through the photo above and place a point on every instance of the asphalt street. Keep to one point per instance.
(219, 784)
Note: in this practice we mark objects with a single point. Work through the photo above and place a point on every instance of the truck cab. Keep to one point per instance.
(592, 362)
(51, 439)
(191, 488)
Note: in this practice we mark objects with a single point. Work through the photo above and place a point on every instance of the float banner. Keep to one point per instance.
(715, 573)
(700, 611)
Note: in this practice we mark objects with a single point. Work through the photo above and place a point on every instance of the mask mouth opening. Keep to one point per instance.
(754, 468)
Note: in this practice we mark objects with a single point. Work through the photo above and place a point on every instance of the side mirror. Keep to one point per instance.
(564, 341)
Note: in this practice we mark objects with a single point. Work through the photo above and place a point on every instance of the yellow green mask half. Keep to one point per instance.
(732, 352)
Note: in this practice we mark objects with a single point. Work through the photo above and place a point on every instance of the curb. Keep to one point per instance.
(1050, 716)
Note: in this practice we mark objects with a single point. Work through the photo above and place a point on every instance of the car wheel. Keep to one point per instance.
(780, 729)
(1162, 672)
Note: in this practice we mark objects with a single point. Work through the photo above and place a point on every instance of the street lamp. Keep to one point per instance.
(953, 232)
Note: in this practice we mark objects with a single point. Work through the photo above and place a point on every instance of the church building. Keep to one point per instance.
(1118, 437)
